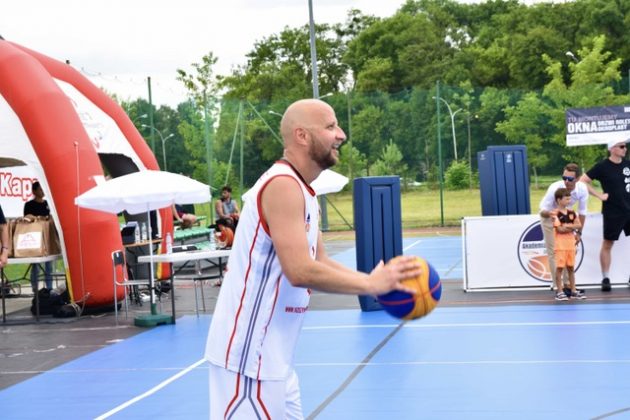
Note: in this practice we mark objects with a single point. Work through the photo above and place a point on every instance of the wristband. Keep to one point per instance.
(5, 247)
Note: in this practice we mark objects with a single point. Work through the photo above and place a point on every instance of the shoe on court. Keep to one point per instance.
(561, 296)
(567, 291)
(579, 294)
(606, 285)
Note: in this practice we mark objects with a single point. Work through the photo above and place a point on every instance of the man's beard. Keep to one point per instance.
(324, 158)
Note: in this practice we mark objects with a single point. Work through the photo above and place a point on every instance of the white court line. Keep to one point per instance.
(471, 362)
(412, 245)
(151, 391)
(471, 325)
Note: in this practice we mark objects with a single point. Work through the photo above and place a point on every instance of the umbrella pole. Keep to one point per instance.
(152, 279)
(154, 318)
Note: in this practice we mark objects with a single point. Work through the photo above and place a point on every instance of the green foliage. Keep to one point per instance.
(198, 130)
(367, 131)
(351, 162)
(390, 162)
(457, 176)
(221, 177)
(503, 63)
(538, 119)
(377, 74)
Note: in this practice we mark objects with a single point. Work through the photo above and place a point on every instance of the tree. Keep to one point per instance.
(539, 119)
(529, 122)
(457, 176)
(367, 131)
(351, 163)
(390, 162)
(203, 88)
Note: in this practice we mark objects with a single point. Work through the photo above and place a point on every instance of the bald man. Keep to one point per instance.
(277, 258)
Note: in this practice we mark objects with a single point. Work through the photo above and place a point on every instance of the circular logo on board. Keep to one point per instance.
(532, 254)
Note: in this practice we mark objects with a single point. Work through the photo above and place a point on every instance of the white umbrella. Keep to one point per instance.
(329, 182)
(144, 191)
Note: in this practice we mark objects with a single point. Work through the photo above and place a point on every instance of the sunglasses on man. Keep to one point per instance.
(568, 178)
(622, 146)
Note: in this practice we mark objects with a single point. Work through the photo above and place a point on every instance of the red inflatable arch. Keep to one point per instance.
(47, 114)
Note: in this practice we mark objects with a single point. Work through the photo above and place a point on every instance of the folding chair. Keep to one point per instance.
(121, 279)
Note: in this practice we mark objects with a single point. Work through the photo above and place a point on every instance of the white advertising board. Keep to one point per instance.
(502, 252)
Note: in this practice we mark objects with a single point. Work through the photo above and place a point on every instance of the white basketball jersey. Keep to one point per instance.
(259, 314)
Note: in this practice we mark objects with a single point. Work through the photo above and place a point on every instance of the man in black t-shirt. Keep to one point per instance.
(39, 207)
(613, 173)
(4, 239)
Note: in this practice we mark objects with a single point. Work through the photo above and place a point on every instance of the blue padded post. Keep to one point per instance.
(378, 224)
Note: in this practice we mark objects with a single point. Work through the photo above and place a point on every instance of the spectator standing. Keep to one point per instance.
(39, 207)
(613, 174)
(579, 194)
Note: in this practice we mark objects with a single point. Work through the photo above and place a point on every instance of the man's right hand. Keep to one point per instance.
(387, 277)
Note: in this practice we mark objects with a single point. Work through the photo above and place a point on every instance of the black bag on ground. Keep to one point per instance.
(69, 310)
(49, 302)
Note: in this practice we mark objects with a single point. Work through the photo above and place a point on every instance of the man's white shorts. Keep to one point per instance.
(236, 396)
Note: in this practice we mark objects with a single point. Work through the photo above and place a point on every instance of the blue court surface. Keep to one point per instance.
(444, 253)
(555, 361)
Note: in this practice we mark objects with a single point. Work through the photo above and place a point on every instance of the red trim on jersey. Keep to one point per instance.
(238, 381)
(240, 306)
(259, 398)
(259, 200)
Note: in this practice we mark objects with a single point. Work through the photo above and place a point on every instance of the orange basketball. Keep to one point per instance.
(428, 287)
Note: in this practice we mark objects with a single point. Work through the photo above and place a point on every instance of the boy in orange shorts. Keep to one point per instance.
(565, 224)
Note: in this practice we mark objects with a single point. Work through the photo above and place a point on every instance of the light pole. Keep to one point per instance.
(450, 111)
(311, 26)
(439, 144)
(163, 141)
(469, 151)
(349, 103)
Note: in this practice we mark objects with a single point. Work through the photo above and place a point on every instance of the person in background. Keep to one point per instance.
(227, 209)
(186, 220)
(613, 174)
(579, 194)
(39, 207)
(4, 239)
(566, 224)
(278, 256)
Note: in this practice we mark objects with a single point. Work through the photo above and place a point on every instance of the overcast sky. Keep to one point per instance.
(118, 43)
